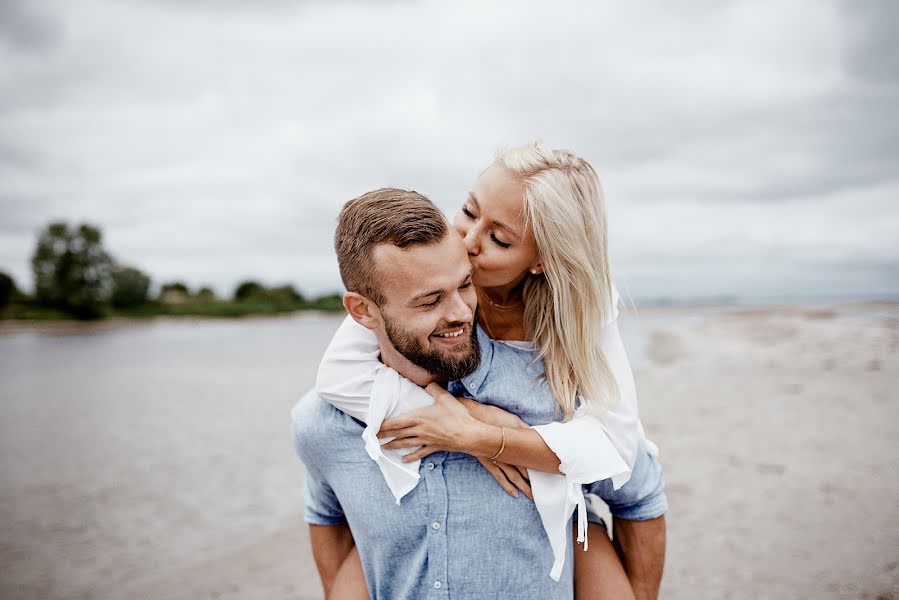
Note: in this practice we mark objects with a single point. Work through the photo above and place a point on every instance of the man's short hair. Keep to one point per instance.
(386, 216)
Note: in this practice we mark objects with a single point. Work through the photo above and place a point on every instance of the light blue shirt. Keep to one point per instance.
(457, 534)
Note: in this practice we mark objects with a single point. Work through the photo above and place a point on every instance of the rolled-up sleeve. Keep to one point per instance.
(321, 505)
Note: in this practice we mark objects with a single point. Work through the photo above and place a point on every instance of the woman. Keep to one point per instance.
(535, 229)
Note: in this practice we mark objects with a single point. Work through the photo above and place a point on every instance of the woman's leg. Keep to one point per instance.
(598, 573)
(349, 583)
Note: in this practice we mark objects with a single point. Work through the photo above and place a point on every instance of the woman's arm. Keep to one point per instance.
(460, 425)
(349, 369)
(584, 448)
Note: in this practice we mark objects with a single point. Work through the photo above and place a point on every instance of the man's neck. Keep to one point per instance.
(402, 365)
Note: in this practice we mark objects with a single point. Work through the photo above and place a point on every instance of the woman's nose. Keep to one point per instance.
(471, 241)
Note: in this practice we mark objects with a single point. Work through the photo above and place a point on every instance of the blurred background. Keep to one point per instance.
(164, 161)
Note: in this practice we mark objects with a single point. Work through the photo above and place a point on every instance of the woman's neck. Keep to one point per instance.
(502, 321)
(504, 296)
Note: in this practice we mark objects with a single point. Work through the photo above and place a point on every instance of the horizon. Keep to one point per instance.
(785, 298)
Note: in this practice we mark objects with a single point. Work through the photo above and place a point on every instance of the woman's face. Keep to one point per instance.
(501, 249)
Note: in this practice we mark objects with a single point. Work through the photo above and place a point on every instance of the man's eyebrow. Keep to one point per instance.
(423, 295)
(500, 224)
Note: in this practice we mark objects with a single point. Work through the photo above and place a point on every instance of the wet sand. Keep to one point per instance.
(778, 430)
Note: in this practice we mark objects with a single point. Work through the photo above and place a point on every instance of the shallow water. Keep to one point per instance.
(128, 452)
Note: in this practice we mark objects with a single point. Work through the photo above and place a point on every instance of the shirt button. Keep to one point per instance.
(437, 584)
(435, 525)
(430, 466)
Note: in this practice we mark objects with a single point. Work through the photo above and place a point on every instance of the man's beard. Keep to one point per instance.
(445, 366)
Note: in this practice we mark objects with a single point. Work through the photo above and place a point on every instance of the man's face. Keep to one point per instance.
(430, 305)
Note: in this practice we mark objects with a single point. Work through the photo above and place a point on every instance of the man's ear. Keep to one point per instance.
(363, 310)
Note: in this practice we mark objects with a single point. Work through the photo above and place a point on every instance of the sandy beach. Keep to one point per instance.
(778, 431)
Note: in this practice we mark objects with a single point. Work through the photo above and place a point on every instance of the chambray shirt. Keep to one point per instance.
(457, 534)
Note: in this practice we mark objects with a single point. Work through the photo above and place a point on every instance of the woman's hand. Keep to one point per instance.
(509, 477)
(446, 425)
(458, 425)
(492, 415)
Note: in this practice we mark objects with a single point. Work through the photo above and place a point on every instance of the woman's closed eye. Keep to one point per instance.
(467, 212)
(498, 242)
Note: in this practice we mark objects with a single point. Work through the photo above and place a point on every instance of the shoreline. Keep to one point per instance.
(818, 310)
(15, 326)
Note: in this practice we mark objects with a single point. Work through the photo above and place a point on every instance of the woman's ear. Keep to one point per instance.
(536, 269)
(363, 310)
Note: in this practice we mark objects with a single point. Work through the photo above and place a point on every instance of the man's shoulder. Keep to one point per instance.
(311, 409)
(317, 426)
(306, 407)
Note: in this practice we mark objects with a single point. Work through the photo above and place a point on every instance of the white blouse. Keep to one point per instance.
(353, 379)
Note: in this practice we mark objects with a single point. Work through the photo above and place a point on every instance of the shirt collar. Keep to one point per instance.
(475, 380)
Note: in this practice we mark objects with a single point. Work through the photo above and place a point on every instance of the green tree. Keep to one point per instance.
(286, 297)
(129, 287)
(175, 292)
(72, 271)
(175, 286)
(8, 290)
(249, 289)
(206, 294)
(330, 302)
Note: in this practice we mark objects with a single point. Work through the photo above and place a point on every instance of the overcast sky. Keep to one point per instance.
(746, 148)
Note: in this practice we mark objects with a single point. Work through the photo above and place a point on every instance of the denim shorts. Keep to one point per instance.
(641, 498)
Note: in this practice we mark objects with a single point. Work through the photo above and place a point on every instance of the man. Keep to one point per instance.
(456, 534)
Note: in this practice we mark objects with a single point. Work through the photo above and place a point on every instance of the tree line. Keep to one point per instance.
(75, 277)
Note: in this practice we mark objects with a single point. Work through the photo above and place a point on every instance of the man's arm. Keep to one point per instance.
(641, 547)
(331, 544)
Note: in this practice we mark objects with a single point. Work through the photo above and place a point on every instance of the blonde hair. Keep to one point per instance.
(567, 306)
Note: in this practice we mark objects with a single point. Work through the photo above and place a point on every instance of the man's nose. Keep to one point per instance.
(459, 311)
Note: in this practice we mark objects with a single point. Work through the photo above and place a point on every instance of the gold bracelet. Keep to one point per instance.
(503, 446)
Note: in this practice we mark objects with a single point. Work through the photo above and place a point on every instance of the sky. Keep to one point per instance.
(746, 148)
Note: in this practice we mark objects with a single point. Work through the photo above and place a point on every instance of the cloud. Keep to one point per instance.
(24, 28)
(216, 141)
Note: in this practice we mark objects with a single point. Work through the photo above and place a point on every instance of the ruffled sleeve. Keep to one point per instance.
(586, 455)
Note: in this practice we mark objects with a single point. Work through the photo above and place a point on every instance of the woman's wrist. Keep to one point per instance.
(484, 440)
(475, 408)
